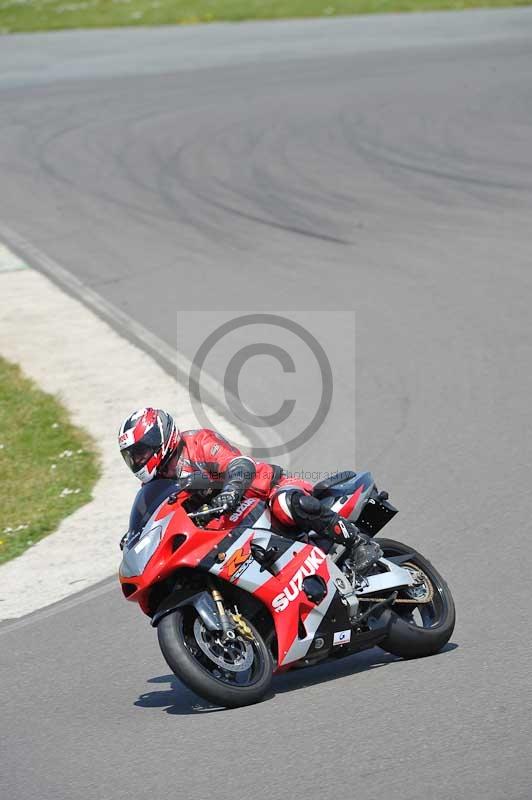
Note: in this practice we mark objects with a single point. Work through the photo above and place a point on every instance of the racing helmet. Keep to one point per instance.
(147, 439)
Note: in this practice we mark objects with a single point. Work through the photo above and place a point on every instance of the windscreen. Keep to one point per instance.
(148, 498)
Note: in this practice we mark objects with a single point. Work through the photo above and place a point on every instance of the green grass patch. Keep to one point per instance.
(47, 466)
(41, 15)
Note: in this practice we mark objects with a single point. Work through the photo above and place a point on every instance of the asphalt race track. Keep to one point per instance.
(378, 164)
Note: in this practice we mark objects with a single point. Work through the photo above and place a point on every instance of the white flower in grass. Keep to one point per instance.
(53, 466)
(66, 454)
(66, 491)
(55, 424)
(8, 530)
(1, 446)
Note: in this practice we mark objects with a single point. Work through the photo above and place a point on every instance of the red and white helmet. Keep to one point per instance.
(147, 440)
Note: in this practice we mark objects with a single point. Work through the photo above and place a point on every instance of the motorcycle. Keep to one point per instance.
(236, 599)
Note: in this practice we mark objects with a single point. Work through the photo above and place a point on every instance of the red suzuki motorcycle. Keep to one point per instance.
(236, 599)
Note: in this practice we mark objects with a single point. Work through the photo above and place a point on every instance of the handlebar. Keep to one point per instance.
(208, 511)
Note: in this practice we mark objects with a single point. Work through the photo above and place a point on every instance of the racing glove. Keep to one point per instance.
(228, 499)
(238, 477)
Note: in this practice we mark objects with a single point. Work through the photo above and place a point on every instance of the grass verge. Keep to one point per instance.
(47, 466)
(43, 15)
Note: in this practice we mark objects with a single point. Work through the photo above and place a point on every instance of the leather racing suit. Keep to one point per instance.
(290, 500)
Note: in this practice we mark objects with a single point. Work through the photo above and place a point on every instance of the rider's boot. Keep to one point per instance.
(310, 514)
(363, 551)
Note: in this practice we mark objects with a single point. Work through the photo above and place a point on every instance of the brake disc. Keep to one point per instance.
(235, 656)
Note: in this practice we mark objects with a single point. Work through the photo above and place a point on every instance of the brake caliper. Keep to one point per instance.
(242, 626)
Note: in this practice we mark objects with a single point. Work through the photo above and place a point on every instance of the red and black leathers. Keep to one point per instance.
(290, 500)
(208, 453)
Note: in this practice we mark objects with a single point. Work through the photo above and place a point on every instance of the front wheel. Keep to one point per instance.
(232, 673)
(419, 628)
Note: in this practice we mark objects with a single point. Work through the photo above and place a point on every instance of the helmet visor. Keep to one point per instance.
(137, 455)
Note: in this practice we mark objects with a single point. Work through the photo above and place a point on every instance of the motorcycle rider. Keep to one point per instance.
(153, 447)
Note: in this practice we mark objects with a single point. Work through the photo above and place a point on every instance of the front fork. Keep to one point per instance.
(229, 624)
(227, 629)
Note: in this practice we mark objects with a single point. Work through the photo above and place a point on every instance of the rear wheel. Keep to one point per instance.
(233, 672)
(423, 617)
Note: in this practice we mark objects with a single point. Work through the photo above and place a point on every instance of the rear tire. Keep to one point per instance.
(407, 639)
(192, 666)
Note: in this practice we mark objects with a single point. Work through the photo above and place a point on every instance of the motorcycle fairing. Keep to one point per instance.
(142, 545)
(303, 616)
(295, 561)
(227, 540)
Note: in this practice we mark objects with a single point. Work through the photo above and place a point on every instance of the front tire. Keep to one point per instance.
(236, 676)
(423, 630)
